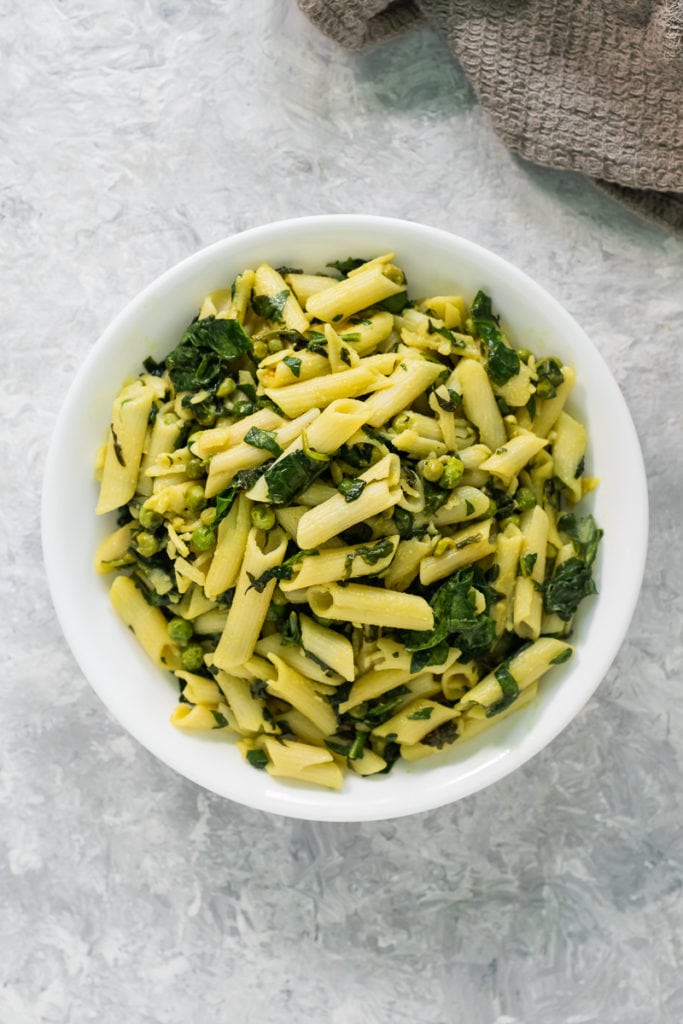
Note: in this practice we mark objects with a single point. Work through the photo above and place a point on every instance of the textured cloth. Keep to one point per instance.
(594, 86)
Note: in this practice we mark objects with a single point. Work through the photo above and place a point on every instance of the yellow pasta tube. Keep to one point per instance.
(366, 287)
(406, 562)
(569, 447)
(268, 282)
(148, 623)
(373, 684)
(371, 606)
(208, 442)
(248, 609)
(130, 414)
(525, 668)
(409, 380)
(231, 541)
(365, 336)
(327, 646)
(163, 437)
(226, 464)
(507, 461)
(275, 372)
(321, 391)
(295, 657)
(112, 553)
(528, 600)
(305, 285)
(415, 720)
(472, 382)
(301, 693)
(335, 515)
(348, 562)
(548, 410)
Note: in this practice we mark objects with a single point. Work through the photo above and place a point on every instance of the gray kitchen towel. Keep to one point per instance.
(594, 86)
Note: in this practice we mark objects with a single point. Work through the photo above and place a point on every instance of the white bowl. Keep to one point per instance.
(142, 697)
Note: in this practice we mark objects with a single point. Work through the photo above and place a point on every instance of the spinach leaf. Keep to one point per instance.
(278, 572)
(270, 307)
(199, 360)
(571, 583)
(443, 735)
(395, 303)
(502, 362)
(292, 475)
(371, 554)
(584, 531)
(257, 758)
(510, 688)
(294, 363)
(455, 619)
(264, 439)
(421, 714)
(344, 266)
(550, 376)
(351, 488)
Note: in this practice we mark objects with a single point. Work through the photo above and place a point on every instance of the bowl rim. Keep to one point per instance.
(293, 801)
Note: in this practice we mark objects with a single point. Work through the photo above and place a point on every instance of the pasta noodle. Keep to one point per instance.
(346, 520)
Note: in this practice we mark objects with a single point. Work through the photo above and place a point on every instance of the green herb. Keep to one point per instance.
(502, 362)
(451, 403)
(550, 377)
(220, 719)
(291, 475)
(584, 532)
(257, 758)
(371, 553)
(429, 656)
(270, 307)
(199, 361)
(118, 451)
(258, 688)
(455, 618)
(421, 714)
(351, 488)
(341, 747)
(294, 363)
(264, 439)
(278, 572)
(508, 685)
(291, 631)
(445, 332)
(571, 583)
(442, 736)
(563, 656)
(344, 266)
(526, 564)
(395, 303)
(289, 270)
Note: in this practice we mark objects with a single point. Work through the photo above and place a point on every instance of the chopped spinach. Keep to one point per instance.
(395, 303)
(264, 439)
(270, 307)
(220, 719)
(550, 376)
(421, 714)
(584, 531)
(455, 619)
(442, 736)
(502, 362)
(351, 488)
(564, 592)
(344, 266)
(527, 563)
(294, 363)
(291, 475)
(509, 687)
(200, 359)
(257, 758)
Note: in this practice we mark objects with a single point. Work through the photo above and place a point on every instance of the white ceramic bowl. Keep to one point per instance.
(142, 697)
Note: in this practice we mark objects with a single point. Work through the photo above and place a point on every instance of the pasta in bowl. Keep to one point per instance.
(357, 516)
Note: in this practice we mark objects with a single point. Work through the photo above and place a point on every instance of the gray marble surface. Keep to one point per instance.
(132, 134)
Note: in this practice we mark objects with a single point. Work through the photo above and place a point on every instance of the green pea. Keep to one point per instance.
(150, 519)
(195, 499)
(262, 517)
(226, 387)
(203, 538)
(452, 474)
(180, 631)
(526, 499)
(432, 470)
(524, 354)
(260, 349)
(147, 544)
(194, 469)
(275, 345)
(192, 658)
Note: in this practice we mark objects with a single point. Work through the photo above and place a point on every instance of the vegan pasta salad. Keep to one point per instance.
(347, 518)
